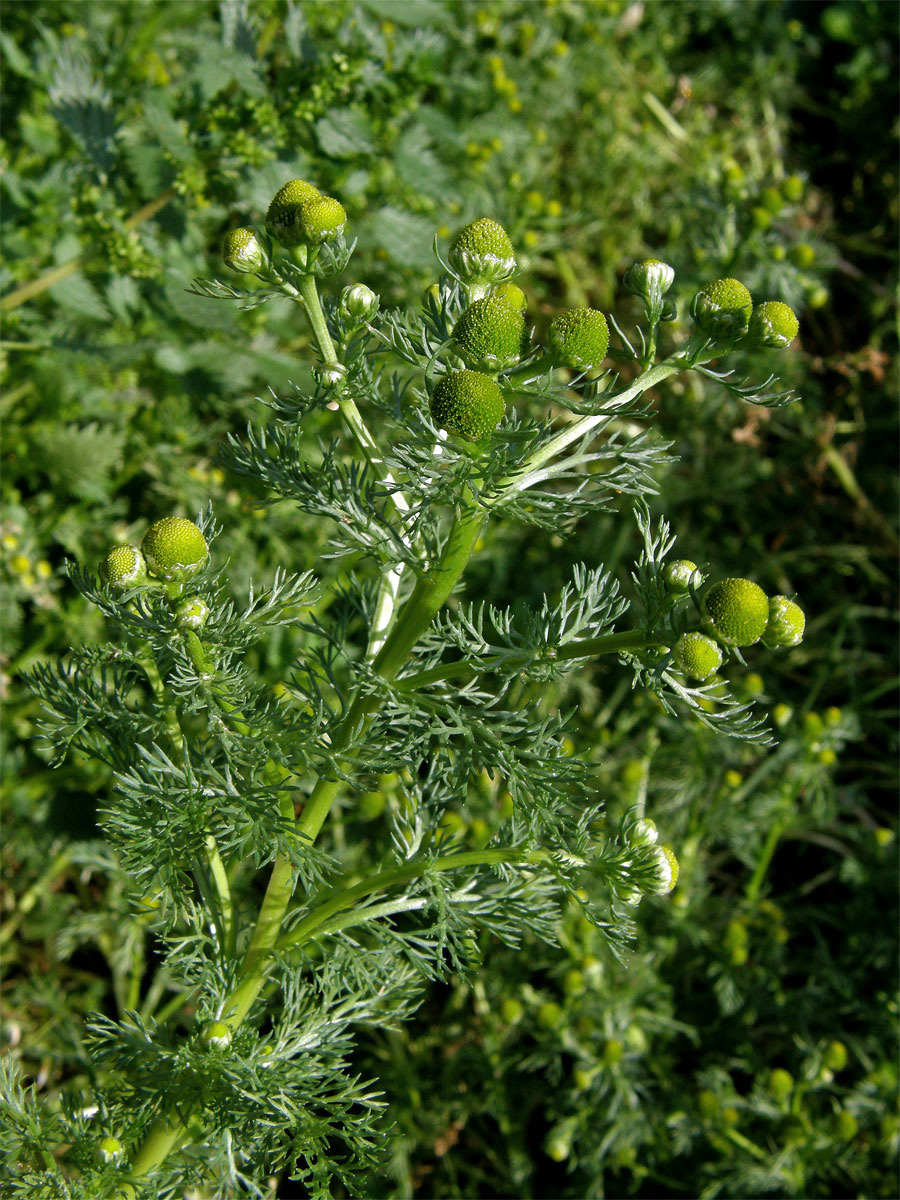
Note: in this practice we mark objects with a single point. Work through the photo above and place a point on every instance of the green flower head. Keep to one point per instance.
(243, 251)
(773, 324)
(489, 334)
(468, 403)
(722, 309)
(482, 252)
(175, 549)
(123, 567)
(736, 612)
(283, 216)
(787, 622)
(579, 338)
(697, 655)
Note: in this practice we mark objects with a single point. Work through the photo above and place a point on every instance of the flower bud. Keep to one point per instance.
(283, 216)
(773, 324)
(175, 549)
(468, 403)
(123, 567)
(482, 252)
(111, 1149)
(722, 309)
(357, 305)
(322, 219)
(217, 1035)
(781, 1083)
(786, 624)
(579, 338)
(192, 613)
(644, 832)
(736, 612)
(835, 1056)
(666, 865)
(489, 334)
(330, 375)
(681, 575)
(243, 251)
(650, 280)
(549, 1014)
(697, 655)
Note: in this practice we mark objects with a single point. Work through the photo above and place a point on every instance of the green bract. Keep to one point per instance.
(579, 338)
(243, 251)
(283, 216)
(722, 309)
(489, 334)
(697, 655)
(482, 252)
(736, 612)
(468, 403)
(786, 624)
(174, 548)
(123, 567)
(681, 575)
(773, 324)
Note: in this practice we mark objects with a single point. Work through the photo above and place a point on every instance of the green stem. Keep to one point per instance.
(347, 897)
(465, 671)
(776, 829)
(532, 472)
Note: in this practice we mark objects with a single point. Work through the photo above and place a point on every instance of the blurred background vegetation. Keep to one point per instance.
(747, 1045)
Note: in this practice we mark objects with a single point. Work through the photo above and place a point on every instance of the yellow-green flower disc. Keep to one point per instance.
(722, 309)
(468, 403)
(697, 655)
(579, 338)
(489, 334)
(174, 548)
(736, 612)
(123, 567)
(283, 215)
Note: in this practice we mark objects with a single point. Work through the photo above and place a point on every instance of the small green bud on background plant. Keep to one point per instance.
(781, 1083)
(242, 251)
(283, 215)
(192, 613)
(330, 375)
(357, 304)
(736, 612)
(835, 1056)
(217, 1035)
(111, 1149)
(174, 549)
(722, 309)
(512, 294)
(483, 253)
(579, 338)
(773, 324)
(681, 575)
(123, 567)
(786, 623)
(488, 335)
(468, 403)
(697, 655)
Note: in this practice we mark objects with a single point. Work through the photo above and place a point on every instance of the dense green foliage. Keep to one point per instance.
(737, 1038)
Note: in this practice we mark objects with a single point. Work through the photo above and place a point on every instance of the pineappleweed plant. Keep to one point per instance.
(229, 1063)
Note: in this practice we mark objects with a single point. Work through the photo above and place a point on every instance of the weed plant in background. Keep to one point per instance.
(324, 862)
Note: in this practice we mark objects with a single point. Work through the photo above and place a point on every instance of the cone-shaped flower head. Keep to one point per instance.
(123, 567)
(111, 1149)
(681, 575)
(217, 1035)
(175, 549)
(482, 252)
(489, 334)
(773, 324)
(722, 309)
(322, 218)
(468, 403)
(787, 621)
(697, 655)
(736, 612)
(243, 251)
(283, 216)
(579, 338)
